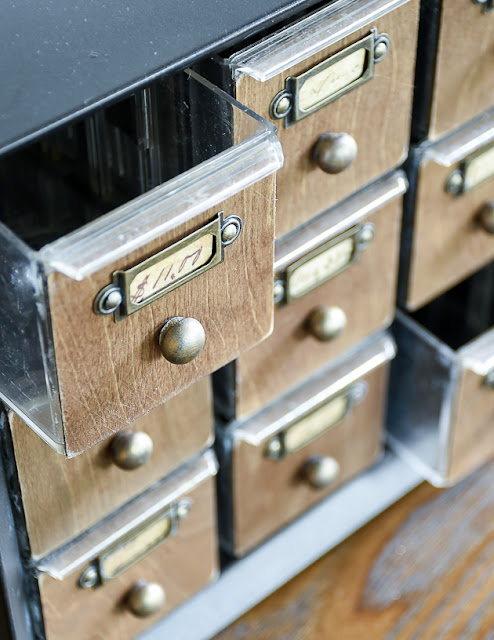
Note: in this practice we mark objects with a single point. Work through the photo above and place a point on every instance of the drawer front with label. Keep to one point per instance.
(451, 231)
(170, 277)
(334, 294)
(463, 85)
(78, 492)
(343, 113)
(291, 456)
(112, 372)
(117, 590)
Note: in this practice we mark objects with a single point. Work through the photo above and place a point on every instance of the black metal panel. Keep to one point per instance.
(60, 58)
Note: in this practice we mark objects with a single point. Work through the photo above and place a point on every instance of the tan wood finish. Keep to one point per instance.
(365, 291)
(267, 493)
(182, 565)
(472, 441)
(111, 373)
(448, 243)
(376, 114)
(62, 498)
(463, 85)
(419, 570)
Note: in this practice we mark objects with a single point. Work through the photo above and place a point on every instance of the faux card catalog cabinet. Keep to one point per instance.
(103, 324)
(441, 392)
(338, 83)
(295, 452)
(77, 493)
(335, 284)
(136, 566)
(448, 219)
(455, 64)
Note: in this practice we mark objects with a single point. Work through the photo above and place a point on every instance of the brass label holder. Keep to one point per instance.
(134, 288)
(135, 545)
(329, 80)
(316, 422)
(322, 264)
(475, 170)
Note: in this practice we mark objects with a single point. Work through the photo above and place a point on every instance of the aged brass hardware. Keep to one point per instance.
(486, 216)
(329, 80)
(472, 172)
(326, 323)
(321, 471)
(335, 152)
(145, 598)
(487, 5)
(133, 546)
(322, 264)
(296, 435)
(181, 340)
(134, 288)
(131, 449)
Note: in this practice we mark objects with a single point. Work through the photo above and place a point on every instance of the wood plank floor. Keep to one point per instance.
(422, 570)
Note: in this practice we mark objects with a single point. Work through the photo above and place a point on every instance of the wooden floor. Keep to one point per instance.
(423, 570)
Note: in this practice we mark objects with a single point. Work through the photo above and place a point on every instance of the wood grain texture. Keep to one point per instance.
(376, 114)
(448, 244)
(365, 291)
(62, 498)
(463, 85)
(182, 565)
(472, 430)
(268, 494)
(111, 373)
(421, 570)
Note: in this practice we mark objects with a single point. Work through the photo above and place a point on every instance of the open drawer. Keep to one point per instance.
(160, 286)
(441, 413)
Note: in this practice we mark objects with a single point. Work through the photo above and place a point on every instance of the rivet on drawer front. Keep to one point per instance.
(181, 339)
(486, 216)
(335, 152)
(145, 598)
(325, 323)
(131, 449)
(321, 471)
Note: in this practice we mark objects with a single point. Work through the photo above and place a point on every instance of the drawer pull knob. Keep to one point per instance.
(321, 471)
(335, 152)
(326, 323)
(131, 449)
(182, 339)
(486, 216)
(145, 599)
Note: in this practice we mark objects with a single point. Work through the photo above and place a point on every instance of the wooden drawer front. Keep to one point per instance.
(269, 493)
(376, 115)
(296, 451)
(463, 85)
(62, 498)
(472, 433)
(111, 373)
(449, 242)
(181, 565)
(365, 292)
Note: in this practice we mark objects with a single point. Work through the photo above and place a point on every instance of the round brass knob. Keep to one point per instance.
(321, 471)
(145, 598)
(335, 152)
(325, 323)
(131, 449)
(486, 216)
(182, 339)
